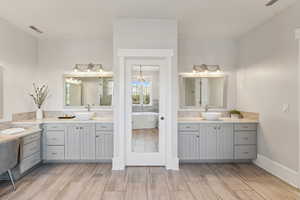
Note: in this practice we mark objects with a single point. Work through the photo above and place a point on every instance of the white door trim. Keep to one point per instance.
(119, 159)
(297, 36)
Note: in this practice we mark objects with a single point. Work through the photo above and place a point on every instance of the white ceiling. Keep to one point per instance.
(94, 18)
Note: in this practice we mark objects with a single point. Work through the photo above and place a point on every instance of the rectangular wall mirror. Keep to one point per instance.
(93, 91)
(1, 93)
(197, 92)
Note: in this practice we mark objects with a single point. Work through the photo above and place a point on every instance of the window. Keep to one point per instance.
(141, 92)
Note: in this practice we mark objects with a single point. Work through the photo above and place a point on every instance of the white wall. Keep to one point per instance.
(221, 52)
(58, 56)
(268, 79)
(18, 58)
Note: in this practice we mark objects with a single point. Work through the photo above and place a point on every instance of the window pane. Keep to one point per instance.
(135, 93)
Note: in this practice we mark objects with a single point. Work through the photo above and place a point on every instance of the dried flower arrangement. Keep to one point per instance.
(40, 94)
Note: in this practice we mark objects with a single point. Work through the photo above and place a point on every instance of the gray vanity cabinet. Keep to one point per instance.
(87, 142)
(189, 146)
(211, 134)
(225, 142)
(205, 142)
(80, 142)
(104, 141)
(72, 151)
(245, 141)
(219, 141)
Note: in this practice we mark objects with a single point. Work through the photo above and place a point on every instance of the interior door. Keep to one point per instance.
(145, 112)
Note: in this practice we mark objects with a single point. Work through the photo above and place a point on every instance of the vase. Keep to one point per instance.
(39, 114)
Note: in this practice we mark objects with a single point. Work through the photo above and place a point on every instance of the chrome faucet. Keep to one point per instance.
(206, 108)
(88, 107)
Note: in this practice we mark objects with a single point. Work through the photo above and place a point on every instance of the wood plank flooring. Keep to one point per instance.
(192, 182)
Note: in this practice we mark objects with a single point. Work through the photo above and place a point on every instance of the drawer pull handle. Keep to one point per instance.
(245, 152)
(246, 138)
(53, 153)
(245, 127)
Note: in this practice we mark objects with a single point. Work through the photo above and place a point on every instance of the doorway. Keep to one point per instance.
(146, 111)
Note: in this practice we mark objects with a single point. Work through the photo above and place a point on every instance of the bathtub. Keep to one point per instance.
(144, 120)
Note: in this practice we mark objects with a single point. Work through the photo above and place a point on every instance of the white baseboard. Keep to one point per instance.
(173, 164)
(284, 173)
(118, 164)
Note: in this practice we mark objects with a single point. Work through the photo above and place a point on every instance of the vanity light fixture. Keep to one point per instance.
(73, 81)
(76, 68)
(88, 68)
(206, 68)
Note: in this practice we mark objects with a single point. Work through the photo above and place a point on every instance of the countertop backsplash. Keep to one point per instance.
(53, 114)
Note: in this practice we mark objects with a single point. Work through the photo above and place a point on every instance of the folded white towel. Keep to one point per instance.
(11, 131)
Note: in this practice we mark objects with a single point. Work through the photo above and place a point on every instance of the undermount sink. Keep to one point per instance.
(11, 131)
(212, 116)
(84, 115)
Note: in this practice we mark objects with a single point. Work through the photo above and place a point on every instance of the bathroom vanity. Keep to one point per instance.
(29, 150)
(77, 142)
(217, 141)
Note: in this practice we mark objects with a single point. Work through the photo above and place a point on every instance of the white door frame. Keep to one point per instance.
(297, 35)
(146, 158)
(119, 159)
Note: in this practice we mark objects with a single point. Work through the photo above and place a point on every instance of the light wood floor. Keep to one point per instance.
(192, 182)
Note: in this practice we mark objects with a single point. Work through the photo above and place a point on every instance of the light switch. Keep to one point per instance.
(285, 108)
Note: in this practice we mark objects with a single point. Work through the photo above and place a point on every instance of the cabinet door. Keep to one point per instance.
(189, 148)
(72, 143)
(87, 140)
(211, 141)
(225, 139)
(104, 145)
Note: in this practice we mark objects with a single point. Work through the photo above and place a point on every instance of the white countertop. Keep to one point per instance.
(110, 120)
(59, 121)
(28, 131)
(222, 120)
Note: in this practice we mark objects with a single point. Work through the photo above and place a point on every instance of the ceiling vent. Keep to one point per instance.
(272, 2)
(36, 29)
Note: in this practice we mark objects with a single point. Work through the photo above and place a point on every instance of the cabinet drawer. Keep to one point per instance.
(55, 127)
(245, 152)
(104, 127)
(245, 138)
(55, 153)
(188, 127)
(30, 162)
(55, 138)
(245, 127)
(31, 138)
(31, 148)
(100, 133)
